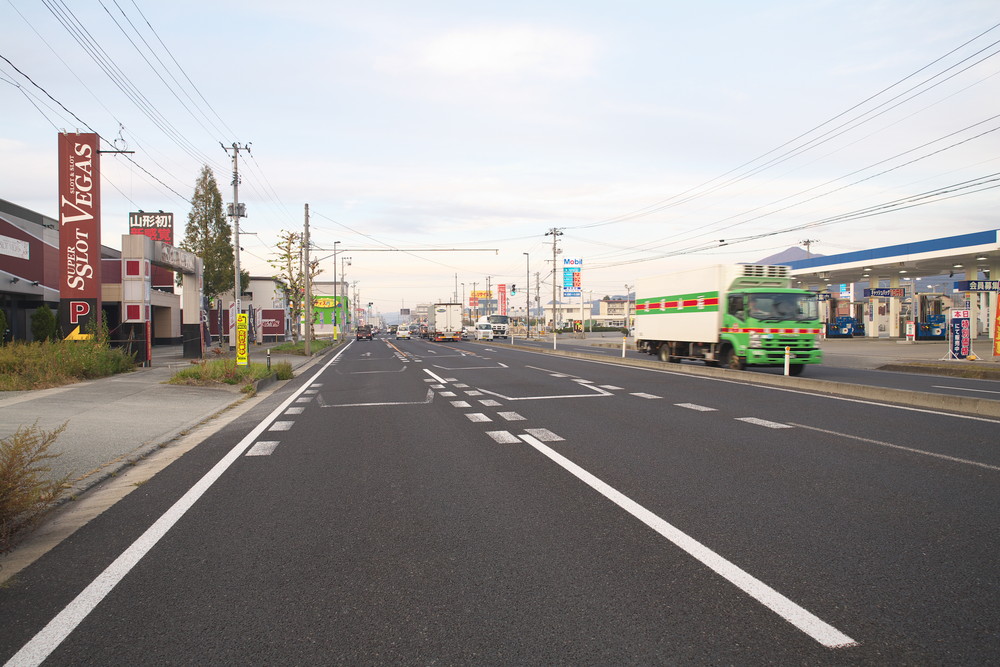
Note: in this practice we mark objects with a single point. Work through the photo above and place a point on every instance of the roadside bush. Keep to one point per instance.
(43, 324)
(26, 366)
(26, 492)
(283, 370)
(3, 327)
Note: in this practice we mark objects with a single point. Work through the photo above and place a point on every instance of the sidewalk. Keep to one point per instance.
(116, 420)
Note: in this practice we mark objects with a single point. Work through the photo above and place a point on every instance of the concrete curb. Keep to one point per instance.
(980, 407)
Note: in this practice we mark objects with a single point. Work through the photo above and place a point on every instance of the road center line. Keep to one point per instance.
(812, 625)
(55, 632)
(954, 459)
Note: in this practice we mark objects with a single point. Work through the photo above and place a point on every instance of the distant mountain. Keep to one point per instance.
(792, 254)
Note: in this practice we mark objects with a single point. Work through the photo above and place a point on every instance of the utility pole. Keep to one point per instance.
(808, 244)
(555, 234)
(475, 317)
(236, 212)
(308, 295)
(538, 299)
(527, 295)
(489, 295)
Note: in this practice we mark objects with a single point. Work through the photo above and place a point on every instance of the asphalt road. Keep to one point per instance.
(424, 503)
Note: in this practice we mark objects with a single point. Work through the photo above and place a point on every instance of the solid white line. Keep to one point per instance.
(437, 378)
(263, 448)
(52, 635)
(905, 449)
(822, 632)
(762, 422)
(695, 406)
(984, 391)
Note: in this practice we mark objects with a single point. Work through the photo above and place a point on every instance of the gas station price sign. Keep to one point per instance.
(961, 333)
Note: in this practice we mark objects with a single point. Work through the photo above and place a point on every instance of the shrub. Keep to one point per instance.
(43, 323)
(26, 492)
(3, 327)
(25, 366)
(283, 370)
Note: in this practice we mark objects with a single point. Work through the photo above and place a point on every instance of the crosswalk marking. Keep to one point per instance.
(511, 416)
(447, 394)
(281, 426)
(460, 404)
(543, 434)
(263, 448)
(477, 417)
(504, 437)
(489, 402)
(294, 411)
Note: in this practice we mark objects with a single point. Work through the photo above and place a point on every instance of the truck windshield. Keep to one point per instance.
(499, 319)
(778, 307)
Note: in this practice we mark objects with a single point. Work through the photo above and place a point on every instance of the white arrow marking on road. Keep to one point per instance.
(807, 622)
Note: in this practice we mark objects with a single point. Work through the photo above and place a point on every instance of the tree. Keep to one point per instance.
(288, 265)
(209, 235)
(43, 323)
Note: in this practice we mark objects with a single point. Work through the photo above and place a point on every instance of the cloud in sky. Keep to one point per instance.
(634, 125)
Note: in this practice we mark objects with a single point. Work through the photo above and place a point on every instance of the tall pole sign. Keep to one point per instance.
(79, 233)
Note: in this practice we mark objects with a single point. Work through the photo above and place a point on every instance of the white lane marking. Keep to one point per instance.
(542, 434)
(461, 386)
(55, 632)
(304, 400)
(822, 632)
(429, 380)
(427, 399)
(512, 416)
(281, 426)
(310, 391)
(984, 391)
(447, 394)
(642, 395)
(477, 417)
(451, 379)
(551, 372)
(294, 411)
(460, 404)
(762, 422)
(582, 381)
(559, 375)
(437, 386)
(316, 384)
(901, 447)
(597, 392)
(489, 402)
(504, 437)
(435, 377)
(473, 393)
(695, 406)
(611, 387)
(263, 448)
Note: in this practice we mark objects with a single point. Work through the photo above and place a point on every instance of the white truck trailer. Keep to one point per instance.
(729, 315)
(444, 322)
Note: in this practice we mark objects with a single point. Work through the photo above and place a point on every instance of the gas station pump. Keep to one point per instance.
(929, 315)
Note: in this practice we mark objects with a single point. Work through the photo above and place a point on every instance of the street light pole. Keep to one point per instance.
(527, 295)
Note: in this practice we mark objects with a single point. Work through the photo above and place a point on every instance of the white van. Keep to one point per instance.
(484, 331)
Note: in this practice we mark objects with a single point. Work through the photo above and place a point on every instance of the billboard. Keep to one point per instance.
(502, 296)
(572, 285)
(79, 233)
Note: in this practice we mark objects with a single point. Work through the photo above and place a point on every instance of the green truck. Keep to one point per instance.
(729, 315)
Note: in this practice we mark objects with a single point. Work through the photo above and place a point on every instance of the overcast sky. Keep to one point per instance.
(646, 131)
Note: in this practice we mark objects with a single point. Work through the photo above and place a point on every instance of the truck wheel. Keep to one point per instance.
(796, 369)
(731, 360)
(664, 353)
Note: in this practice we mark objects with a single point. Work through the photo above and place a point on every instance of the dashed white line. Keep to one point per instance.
(473, 393)
(801, 618)
(611, 387)
(263, 448)
(489, 402)
(460, 404)
(447, 394)
(461, 386)
(310, 391)
(504, 437)
(543, 434)
(477, 417)
(695, 406)
(762, 422)
(281, 426)
(642, 395)
(437, 386)
(294, 411)
(511, 416)
(304, 400)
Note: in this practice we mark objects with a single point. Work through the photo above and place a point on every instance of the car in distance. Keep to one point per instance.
(402, 332)
(484, 331)
(363, 333)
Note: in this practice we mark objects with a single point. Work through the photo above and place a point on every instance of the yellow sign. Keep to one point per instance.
(242, 349)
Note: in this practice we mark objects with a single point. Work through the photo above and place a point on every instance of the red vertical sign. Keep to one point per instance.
(502, 297)
(79, 233)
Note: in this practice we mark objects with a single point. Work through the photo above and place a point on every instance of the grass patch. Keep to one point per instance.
(221, 371)
(300, 347)
(26, 492)
(43, 364)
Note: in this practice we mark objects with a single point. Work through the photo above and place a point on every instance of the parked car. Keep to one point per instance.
(484, 331)
(402, 332)
(364, 333)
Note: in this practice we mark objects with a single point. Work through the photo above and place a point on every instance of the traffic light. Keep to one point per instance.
(513, 290)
